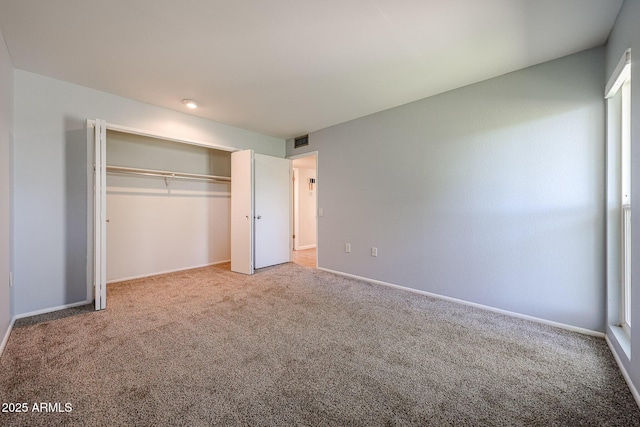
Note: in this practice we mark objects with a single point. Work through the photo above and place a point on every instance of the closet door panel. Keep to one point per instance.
(242, 212)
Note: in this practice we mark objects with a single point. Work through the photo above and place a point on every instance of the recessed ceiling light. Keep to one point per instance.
(190, 103)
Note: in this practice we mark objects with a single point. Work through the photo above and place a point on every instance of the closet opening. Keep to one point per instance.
(168, 206)
(305, 209)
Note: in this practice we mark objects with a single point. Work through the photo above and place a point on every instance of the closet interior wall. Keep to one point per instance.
(157, 225)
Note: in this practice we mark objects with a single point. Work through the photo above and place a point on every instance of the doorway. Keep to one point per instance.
(305, 209)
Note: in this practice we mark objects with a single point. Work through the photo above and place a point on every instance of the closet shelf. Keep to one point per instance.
(166, 174)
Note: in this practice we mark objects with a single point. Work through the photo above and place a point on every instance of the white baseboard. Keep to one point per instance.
(51, 309)
(625, 374)
(35, 313)
(302, 248)
(142, 276)
(473, 304)
(5, 339)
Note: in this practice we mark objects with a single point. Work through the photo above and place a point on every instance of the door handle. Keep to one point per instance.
(259, 216)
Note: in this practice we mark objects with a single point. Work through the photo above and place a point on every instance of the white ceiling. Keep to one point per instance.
(289, 67)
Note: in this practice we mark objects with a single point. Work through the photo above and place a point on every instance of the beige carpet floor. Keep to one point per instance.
(292, 345)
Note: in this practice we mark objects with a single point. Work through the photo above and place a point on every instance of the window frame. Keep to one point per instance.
(619, 90)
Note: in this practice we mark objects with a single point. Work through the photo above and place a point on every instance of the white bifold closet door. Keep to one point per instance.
(100, 218)
(260, 211)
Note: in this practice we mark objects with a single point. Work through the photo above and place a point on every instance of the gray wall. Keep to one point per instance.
(492, 193)
(50, 178)
(6, 135)
(626, 34)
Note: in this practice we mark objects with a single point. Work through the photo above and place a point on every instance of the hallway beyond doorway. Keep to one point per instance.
(306, 257)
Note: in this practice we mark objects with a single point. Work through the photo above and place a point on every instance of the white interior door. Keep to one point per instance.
(272, 210)
(100, 221)
(242, 199)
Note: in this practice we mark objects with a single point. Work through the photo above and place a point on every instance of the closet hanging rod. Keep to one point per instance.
(166, 174)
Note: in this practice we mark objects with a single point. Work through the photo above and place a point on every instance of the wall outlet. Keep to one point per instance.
(374, 251)
(320, 212)
(347, 247)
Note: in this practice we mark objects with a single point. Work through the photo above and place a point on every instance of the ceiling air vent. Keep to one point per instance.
(301, 141)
